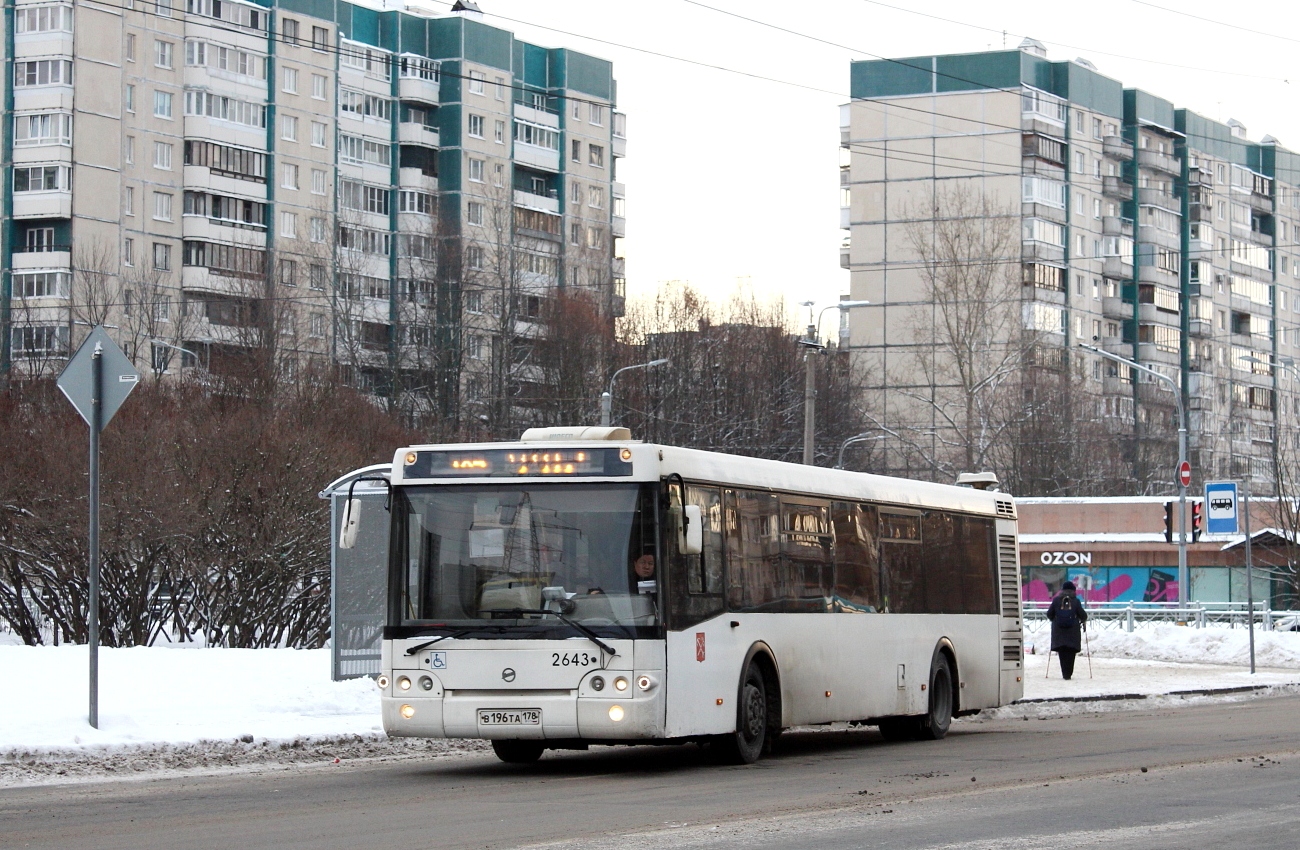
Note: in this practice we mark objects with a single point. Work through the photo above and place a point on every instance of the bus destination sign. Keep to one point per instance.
(516, 463)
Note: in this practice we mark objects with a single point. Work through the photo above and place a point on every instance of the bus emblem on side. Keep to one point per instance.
(699, 646)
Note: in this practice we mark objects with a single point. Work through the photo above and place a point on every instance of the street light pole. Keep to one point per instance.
(607, 397)
(1183, 580)
(856, 438)
(812, 344)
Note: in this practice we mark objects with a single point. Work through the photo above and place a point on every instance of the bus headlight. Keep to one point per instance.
(620, 684)
(407, 711)
(616, 713)
(382, 682)
(426, 683)
(403, 683)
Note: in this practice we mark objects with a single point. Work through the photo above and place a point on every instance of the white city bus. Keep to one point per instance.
(522, 608)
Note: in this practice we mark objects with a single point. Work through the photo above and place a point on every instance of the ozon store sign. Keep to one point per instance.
(1065, 559)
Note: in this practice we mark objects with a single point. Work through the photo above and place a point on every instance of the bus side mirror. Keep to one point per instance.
(350, 524)
(692, 534)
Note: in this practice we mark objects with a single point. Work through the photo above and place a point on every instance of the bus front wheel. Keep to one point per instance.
(745, 745)
(517, 752)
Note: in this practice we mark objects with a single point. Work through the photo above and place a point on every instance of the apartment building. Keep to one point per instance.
(1140, 227)
(384, 190)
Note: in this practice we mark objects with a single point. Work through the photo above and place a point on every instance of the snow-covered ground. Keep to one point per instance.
(168, 707)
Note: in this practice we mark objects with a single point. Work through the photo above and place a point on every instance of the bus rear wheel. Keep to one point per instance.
(745, 745)
(934, 723)
(517, 752)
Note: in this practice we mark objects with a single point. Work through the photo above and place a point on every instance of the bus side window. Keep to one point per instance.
(857, 567)
(902, 578)
(979, 579)
(695, 581)
(752, 529)
(941, 559)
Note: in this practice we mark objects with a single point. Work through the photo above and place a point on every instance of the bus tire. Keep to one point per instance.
(934, 724)
(517, 752)
(746, 744)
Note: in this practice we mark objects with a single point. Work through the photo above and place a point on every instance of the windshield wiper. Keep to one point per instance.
(429, 643)
(588, 633)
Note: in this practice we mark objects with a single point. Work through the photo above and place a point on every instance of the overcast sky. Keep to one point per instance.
(732, 177)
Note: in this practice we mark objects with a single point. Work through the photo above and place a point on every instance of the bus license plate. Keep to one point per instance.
(510, 716)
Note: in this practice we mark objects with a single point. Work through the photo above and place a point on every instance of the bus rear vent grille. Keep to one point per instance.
(1006, 508)
(1009, 575)
(1011, 650)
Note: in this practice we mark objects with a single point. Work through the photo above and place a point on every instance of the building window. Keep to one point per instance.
(289, 30)
(289, 176)
(501, 88)
(128, 252)
(499, 133)
(130, 47)
(476, 80)
(46, 128)
(596, 155)
(130, 99)
(317, 275)
(596, 198)
(318, 82)
(575, 233)
(474, 301)
(43, 72)
(162, 104)
(476, 170)
(318, 134)
(316, 327)
(474, 213)
(474, 257)
(319, 182)
(162, 156)
(597, 114)
(476, 126)
(128, 201)
(162, 257)
(291, 80)
(289, 128)
(162, 54)
(162, 206)
(317, 231)
(320, 38)
(289, 225)
(595, 236)
(128, 152)
(41, 284)
(576, 152)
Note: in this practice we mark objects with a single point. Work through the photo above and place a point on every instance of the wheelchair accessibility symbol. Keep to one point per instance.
(438, 660)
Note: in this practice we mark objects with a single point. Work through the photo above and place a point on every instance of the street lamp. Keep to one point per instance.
(1183, 583)
(812, 342)
(856, 438)
(607, 397)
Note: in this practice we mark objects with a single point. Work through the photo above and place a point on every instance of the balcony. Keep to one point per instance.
(1159, 162)
(57, 257)
(1156, 198)
(1117, 268)
(618, 225)
(543, 159)
(1113, 307)
(845, 254)
(619, 267)
(845, 217)
(409, 133)
(1200, 327)
(1150, 314)
(544, 203)
(1043, 211)
(55, 204)
(1036, 252)
(414, 178)
(417, 90)
(537, 116)
(1116, 148)
(1113, 225)
(1113, 187)
(1260, 203)
(1149, 353)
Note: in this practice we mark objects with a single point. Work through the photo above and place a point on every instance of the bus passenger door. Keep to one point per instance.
(698, 674)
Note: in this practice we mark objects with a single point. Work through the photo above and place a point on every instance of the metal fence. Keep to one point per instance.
(1128, 615)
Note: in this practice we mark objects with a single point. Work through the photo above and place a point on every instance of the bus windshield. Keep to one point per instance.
(508, 557)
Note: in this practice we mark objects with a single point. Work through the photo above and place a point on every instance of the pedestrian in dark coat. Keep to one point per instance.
(1068, 616)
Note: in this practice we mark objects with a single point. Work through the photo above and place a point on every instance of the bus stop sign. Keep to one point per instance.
(78, 379)
(1221, 507)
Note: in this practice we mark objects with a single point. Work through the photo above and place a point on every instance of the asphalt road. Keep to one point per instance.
(1214, 773)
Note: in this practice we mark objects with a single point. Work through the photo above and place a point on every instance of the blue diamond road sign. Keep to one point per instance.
(78, 378)
(1221, 507)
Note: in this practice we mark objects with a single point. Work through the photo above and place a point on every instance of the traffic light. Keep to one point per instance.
(1196, 521)
(1169, 522)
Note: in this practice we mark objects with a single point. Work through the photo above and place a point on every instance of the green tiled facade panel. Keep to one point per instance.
(1087, 88)
(1143, 108)
(890, 79)
(532, 65)
(587, 74)
(487, 45)
(445, 38)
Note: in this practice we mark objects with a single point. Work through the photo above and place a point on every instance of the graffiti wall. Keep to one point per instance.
(1139, 584)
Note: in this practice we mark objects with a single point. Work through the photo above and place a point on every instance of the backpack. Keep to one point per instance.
(1067, 617)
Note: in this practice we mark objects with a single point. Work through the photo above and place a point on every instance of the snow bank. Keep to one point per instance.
(1183, 644)
(176, 696)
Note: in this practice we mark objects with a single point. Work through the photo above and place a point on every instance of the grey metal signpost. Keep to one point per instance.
(97, 380)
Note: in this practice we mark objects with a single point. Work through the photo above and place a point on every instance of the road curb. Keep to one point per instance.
(1196, 692)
